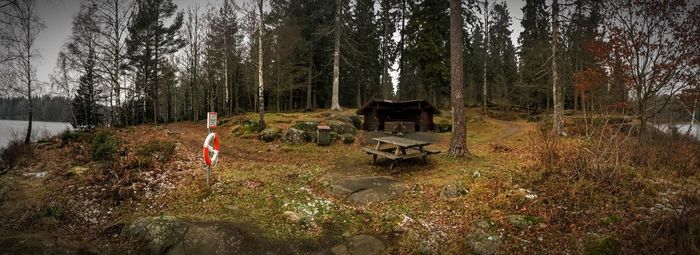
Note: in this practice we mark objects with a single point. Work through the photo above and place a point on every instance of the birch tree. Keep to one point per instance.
(335, 103)
(558, 112)
(23, 27)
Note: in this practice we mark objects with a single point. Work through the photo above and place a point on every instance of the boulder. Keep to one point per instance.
(270, 134)
(291, 217)
(365, 245)
(293, 136)
(306, 126)
(347, 139)
(309, 130)
(376, 194)
(340, 249)
(483, 238)
(342, 127)
(158, 234)
(452, 191)
(35, 244)
(170, 235)
(246, 127)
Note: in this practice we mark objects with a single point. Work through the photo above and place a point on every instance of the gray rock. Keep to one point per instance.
(291, 217)
(342, 127)
(170, 235)
(34, 244)
(246, 127)
(523, 221)
(270, 134)
(347, 138)
(483, 238)
(365, 245)
(356, 183)
(158, 233)
(376, 194)
(452, 191)
(340, 249)
(306, 126)
(362, 190)
(293, 136)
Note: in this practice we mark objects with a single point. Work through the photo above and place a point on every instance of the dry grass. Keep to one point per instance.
(590, 183)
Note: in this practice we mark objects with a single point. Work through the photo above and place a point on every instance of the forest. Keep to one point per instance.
(155, 62)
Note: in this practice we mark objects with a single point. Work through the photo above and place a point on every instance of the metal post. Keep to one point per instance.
(208, 167)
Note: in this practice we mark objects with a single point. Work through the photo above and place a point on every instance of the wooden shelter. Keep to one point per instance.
(414, 114)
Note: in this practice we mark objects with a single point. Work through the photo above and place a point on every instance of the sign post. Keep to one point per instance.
(211, 123)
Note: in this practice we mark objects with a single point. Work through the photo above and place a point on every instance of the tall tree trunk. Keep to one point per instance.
(484, 98)
(261, 92)
(458, 143)
(359, 95)
(385, 49)
(558, 113)
(335, 104)
(401, 93)
(309, 79)
(235, 91)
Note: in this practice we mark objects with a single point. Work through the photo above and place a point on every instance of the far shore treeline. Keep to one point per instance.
(46, 108)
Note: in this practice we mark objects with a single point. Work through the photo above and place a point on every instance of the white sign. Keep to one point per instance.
(211, 119)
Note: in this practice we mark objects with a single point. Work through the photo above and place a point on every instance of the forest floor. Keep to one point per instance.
(279, 198)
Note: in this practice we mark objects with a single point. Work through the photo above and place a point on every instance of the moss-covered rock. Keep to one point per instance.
(246, 127)
(347, 138)
(342, 127)
(293, 136)
(270, 134)
(306, 126)
(309, 129)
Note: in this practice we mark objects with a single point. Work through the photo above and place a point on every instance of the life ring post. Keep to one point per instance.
(211, 154)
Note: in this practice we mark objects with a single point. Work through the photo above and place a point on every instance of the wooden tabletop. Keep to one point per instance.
(400, 141)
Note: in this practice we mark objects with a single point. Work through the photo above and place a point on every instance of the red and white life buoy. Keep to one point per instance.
(211, 153)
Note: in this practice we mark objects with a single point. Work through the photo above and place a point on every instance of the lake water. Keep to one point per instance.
(39, 129)
(682, 129)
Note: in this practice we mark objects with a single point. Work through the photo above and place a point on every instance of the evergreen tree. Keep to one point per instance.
(427, 51)
(150, 41)
(534, 39)
(366, 56)
(85, 104)
(502, 66)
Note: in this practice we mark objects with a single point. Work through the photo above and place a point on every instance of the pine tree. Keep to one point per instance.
(533, 39)
(150, 41)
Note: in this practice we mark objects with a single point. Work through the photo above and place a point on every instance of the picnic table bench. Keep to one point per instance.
(397, 149)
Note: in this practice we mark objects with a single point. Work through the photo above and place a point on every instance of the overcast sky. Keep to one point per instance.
(58, 14)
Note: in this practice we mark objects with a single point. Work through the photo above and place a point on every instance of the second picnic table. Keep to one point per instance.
(397, 151)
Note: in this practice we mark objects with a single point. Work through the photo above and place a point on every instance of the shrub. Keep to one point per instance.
(69, 135)
(104, 146)
(154, 151)
(16, 153)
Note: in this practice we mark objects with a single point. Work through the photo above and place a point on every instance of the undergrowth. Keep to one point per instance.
(608, 170)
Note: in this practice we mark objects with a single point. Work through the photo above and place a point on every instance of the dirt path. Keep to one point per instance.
(511, 129)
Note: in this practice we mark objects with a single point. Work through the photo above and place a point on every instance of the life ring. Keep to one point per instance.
(208, 149)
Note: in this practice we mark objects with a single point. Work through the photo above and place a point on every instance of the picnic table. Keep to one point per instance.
(395, 149)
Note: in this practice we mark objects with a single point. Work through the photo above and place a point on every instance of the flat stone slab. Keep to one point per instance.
(376, 194)
(174, 236)
(360, 190)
